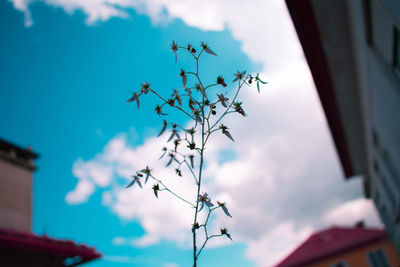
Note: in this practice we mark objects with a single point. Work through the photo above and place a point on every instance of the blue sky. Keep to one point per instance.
(66, 69)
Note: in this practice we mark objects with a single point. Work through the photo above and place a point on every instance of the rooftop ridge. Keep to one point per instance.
(331, 241)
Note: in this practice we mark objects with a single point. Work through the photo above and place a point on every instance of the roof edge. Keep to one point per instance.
(26, 241)
(379, 236)
(304, 21)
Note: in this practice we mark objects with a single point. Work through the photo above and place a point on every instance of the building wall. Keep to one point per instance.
(359, 257)
(335, 35)
(15, 196)
(373, 24)
(361, 45)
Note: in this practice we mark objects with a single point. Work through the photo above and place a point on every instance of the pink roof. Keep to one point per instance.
(330, 242)
(23, 241)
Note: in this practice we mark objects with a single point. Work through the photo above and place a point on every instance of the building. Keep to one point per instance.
(344, 247)
(18, 245)
(353, 51)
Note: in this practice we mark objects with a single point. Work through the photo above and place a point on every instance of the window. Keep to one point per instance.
(377, 258)
(367, 20)
(339, 264)
(396, 52)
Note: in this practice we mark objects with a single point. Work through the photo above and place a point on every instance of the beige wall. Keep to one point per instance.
(15, 196)
(359, 257)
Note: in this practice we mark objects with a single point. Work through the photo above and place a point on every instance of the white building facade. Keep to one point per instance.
(353, 51)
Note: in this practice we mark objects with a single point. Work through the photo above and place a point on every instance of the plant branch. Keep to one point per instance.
(170, 191)
(177, 107)
(205, 242)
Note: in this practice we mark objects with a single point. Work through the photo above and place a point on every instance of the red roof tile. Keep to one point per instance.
(24, 241)
(330, 242)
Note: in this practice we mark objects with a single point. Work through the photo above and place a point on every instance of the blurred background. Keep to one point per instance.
(319, 147)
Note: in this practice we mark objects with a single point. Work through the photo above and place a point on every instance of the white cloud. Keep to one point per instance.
(285, 181)
(282, 184)
(92, 170)
(22, 5)
(83, 190)
(162, 218)
(351, 212)
(90, 174)
(122, 259)
(262, 26)
(277, 243)
(119, 240)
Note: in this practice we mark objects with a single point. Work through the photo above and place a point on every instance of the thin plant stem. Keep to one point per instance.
(205, 242)
(166, 102)
(170, 191)
(201, 118)
(191, 170)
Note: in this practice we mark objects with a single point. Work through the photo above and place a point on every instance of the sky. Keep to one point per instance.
(66, 69)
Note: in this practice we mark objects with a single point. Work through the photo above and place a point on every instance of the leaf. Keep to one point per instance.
(170, 161)
(165, 151)
(158, 110)
(201, 206)
(198, 118)
(226, 211)
(146, 171)
(176, 143)
(163, 128)
(131, 183)
(191, 157)
(208, 203)
(155, 188)
(259, 80)
(239, 75)
(223, 100)
(239, 109)
(177, 136)
(184, 80)
(228, 235)
(224, 130)
(139, 183)
(138, 102)
(133, 98)
(221, 81)
(191, 105)
(174, 48)
(172, 135)
(209, 51)
(224, 208)
(179, 99)
(228, 135)
(155, 192)
(145, 88)
(171, 102)
(224, 231)
(192, 145)
(200, 88)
